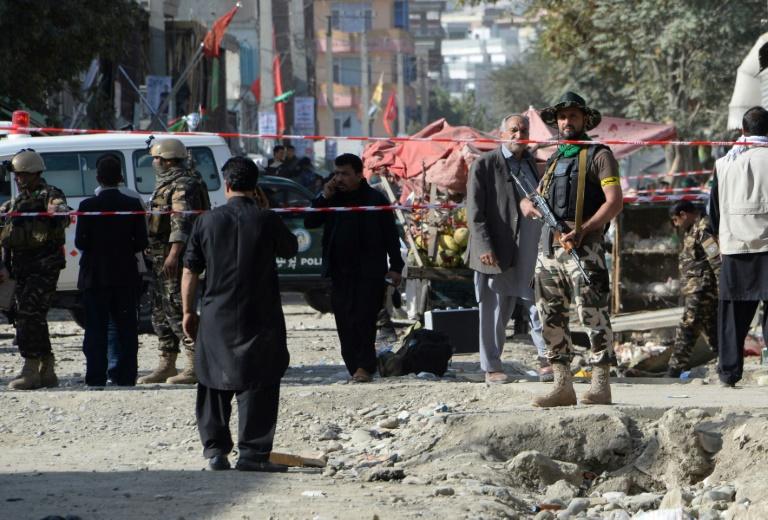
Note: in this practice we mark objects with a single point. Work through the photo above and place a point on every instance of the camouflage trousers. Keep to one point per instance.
(558, 283)
(166, 308)
(699, 317)
(34, 293)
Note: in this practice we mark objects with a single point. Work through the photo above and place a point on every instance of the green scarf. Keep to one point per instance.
(572, 150)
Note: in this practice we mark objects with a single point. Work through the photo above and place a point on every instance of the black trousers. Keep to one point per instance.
(356, 303)
(734, 318)
(119, 304)
(257, 420)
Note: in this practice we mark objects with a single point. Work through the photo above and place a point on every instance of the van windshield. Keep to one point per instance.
(202, 159)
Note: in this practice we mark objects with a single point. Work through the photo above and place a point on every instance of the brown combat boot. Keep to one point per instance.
(29, 379)
(600, 389)
(563, 394)
(165, 369)
(47, 374)
(187, 376)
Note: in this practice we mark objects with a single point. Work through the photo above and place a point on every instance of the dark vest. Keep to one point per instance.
(562, 190)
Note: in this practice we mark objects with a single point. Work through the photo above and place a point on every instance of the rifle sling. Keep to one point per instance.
(580, 188)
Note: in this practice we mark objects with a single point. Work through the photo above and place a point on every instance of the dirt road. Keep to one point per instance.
(397, 448)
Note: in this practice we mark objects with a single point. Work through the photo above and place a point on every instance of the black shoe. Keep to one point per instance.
(219, 463)
(261, 465)
(674, 372)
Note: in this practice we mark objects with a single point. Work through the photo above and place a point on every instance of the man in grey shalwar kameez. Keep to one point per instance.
(503, 245)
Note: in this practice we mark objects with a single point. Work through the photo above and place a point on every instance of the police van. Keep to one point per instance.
(70, 165)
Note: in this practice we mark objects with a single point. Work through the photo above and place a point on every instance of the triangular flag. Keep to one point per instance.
(212, 41)
(378, 93)
(390, 113)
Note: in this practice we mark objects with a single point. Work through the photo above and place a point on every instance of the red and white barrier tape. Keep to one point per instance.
(667, 191)
(649, 199)
(329, 209)
(547, 142)
(631, 199)
(661, 174)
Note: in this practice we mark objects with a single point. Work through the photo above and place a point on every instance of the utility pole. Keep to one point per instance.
(266, 55)
(400, 94)
(329, 75)
(424, 91)
(298, 47)
(365, 85)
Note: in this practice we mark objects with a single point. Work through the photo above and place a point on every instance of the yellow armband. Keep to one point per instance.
(609, 181)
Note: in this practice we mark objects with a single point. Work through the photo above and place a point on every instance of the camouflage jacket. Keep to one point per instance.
(699, 259)
(29, 234)
(178, 189)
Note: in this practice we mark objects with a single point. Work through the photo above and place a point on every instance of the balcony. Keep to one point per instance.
(384, 41)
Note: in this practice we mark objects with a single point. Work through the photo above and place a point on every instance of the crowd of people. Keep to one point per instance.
(235, 345)
(284, 163)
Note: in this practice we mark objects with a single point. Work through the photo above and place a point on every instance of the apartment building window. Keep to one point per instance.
(356, 17)
(346, 123)
(401, 14)
(347, 71)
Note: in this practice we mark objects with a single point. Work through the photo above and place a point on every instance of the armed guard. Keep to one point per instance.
(699, 272)
(178, 189)
(34, 254)
(581, 186)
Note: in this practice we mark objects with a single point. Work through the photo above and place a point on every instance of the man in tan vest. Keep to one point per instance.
(739, 212)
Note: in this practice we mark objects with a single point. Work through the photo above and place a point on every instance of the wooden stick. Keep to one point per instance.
(296, 461)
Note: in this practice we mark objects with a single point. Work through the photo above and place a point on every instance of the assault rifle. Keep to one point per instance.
(559, 227)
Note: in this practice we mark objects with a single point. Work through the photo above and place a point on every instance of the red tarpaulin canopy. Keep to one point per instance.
(446, 163)
(609, 128)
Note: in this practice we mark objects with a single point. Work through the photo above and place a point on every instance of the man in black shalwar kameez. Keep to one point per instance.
(240, 347)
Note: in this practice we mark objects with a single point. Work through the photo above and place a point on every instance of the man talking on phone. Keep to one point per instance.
(361, 254)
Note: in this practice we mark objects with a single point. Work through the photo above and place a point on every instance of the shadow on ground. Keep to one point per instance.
(135, 494)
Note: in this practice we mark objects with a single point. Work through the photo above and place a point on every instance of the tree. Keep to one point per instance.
(656, 60)
(458, 111)
(48, 44)
(521, 85)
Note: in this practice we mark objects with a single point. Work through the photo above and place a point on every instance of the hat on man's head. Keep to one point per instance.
(570, 99)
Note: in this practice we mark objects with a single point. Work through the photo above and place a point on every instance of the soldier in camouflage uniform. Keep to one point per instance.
(178, 188)
(581, 186)
(699, 272)
(34, 254)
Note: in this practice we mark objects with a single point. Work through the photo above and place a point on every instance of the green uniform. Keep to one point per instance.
(699, 271)
(34, 255)
(178, 189)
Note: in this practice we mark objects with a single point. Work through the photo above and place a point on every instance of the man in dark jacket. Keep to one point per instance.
(109, 276)
(355, 250)
(240, 348)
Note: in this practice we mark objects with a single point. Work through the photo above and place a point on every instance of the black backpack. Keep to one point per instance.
(422, 350)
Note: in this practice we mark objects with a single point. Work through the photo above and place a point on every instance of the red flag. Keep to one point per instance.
(212, 41)
(390, 113)
(279, 106)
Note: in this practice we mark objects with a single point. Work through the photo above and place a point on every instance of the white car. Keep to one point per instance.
(70, 163)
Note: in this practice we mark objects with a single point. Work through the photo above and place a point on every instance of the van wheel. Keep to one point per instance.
(319, 299)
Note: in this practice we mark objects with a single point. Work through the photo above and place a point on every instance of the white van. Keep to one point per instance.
(70, 163)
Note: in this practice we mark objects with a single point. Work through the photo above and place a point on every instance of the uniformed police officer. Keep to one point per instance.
(178, 189)
(34, 256)
(699, 272)
(581, 185)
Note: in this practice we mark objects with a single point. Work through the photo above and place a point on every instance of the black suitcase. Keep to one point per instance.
(462, 326)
